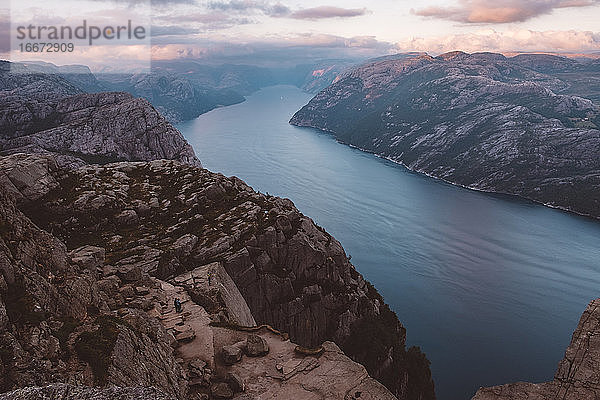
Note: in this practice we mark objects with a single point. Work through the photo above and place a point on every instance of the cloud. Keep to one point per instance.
(499, 11)
(245, 6)
(328, 12)
(172, 30)
(275, 50)
(508, 41)
(154, 3)
(281, 10)
(4, 34)
(207, 20)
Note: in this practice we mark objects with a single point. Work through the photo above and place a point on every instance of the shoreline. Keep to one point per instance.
(437, 178)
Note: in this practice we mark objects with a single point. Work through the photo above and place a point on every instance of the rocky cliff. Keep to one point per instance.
(481, 120)
(44, 113)
(163, 218)
(577, 376)
(92, 255)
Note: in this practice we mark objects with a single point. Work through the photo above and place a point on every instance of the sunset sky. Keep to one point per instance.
(242, 29)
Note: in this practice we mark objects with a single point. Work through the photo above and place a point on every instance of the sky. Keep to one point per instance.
(217, 30)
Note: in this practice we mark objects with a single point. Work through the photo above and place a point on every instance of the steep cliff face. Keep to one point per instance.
(70, 320)
(53, 326)
(481, 121)
(100, 127)
(577, 377)
(164, 218)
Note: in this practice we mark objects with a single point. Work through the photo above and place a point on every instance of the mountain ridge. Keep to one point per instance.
(476, 120)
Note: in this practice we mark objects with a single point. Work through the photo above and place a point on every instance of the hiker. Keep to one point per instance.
(177, 305)
(209, 276)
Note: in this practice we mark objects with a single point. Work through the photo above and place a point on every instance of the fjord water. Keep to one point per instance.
(490, 287)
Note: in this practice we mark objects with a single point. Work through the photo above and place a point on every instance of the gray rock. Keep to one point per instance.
(88, 257)
(196, 367)
(236, 383)
(231, 354)
(127, 217)
(256, 346)
(221, 391)
(129, 273)
(27, 177)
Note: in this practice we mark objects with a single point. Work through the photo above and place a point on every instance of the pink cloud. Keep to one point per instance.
(328, 12)
(499, 11)
(509, 41)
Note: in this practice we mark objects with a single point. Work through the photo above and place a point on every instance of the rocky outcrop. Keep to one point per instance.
(162, 219)
(226, 360)
(55, 320)
(45, 113)
(102, 127)
(211, 287)
(578, 376)
(477, 120)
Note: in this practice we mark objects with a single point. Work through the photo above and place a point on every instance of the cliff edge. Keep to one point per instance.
(578, 375)
(87, 291)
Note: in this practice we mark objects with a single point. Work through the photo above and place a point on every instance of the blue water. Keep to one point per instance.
(490, 287)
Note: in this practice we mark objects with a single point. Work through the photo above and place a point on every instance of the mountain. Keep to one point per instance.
(180, 90)
(98, 290)
(481, 120)
(177, 97)
(243, 79)
(577, 375)
(80, 76)
(19, 80)
(46, 113)
(93, 254)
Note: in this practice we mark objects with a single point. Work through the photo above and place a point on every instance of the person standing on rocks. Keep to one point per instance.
(177, 305)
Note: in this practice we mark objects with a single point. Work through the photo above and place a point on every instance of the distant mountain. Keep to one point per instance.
(184, 89)
(176, 96)
(483, 121)
(580, 76)
(243, 79)
(21, 80)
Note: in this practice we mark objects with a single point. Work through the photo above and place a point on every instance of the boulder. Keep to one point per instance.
(88, 257)
(231, 354)
(127, 217)
(186, 336)
(221, 391)
(184, 245)
(196, 367)
(235, 382)
(256, 346)
(141, 290)
(130, 273)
